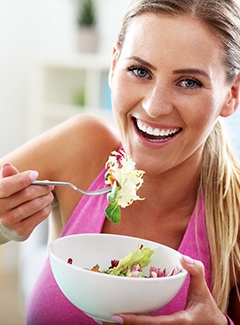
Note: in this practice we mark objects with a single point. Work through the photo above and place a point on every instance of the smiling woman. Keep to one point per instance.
(175, 90)
(174, 75)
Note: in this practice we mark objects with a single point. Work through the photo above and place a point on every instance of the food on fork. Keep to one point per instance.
(125, 181)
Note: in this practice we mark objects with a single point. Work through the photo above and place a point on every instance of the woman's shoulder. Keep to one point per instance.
(87, 141)
(94, 133)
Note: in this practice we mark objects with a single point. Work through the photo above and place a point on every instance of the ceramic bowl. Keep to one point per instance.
(101, 295)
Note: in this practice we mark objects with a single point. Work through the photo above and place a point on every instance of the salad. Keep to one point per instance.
(132, 265)
(125, 181)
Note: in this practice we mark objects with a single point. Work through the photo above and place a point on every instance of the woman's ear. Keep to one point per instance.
(115, 56)
(233, 101)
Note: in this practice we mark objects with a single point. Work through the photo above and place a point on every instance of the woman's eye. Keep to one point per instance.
(139, 72)
(190, 83)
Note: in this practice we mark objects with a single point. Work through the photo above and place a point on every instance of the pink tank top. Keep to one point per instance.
(48, 306)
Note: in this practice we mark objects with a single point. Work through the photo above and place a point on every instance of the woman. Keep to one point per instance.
(174, 75)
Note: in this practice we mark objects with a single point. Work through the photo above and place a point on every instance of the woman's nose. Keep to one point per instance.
(157, 102)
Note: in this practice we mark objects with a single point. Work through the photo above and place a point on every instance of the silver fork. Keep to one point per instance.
(91, 193)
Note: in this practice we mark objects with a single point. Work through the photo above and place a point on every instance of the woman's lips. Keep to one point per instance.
(156, 134)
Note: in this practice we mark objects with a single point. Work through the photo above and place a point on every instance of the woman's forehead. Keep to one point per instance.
(185, 26)
(161, 34)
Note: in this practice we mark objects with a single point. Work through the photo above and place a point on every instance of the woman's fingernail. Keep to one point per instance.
(188, 259)
(3, 166)
(6, 164)
(33, 175)
(117, 319)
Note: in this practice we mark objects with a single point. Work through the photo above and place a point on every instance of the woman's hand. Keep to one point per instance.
(200, 309)
(22, 205)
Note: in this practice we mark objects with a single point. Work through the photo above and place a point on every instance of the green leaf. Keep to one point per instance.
(141, 256)
(113, 212)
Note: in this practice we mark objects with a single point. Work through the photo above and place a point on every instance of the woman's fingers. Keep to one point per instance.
(22, 205)
(27, 194)
(18, 223)
(12, 181)
(18, 211)
(27, 225)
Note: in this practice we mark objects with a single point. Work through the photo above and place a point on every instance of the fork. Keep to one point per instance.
(74, 187)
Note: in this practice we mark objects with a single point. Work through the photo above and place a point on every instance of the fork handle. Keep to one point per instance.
(101, 191)
(50, 183)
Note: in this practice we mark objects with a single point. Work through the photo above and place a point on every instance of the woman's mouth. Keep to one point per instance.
(156, 134)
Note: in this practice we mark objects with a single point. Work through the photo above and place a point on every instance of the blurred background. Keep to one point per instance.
(50, 70)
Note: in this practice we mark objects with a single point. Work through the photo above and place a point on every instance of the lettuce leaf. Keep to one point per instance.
(141, 256)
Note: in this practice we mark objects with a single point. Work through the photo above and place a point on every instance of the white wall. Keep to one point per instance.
(29, 28)
(110, 13)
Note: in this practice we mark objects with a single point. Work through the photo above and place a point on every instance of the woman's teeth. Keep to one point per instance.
(156, 131)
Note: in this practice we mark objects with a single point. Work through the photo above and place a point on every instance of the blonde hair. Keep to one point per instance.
(220, 185)
(220, 174)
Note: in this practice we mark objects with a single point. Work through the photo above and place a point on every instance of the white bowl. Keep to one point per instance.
(101, 296)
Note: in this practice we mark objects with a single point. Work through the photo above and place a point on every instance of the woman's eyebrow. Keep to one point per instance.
(192, 71)
(143, 62)
(178, 71)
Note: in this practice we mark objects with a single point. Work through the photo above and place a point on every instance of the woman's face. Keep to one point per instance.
(168, 88)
